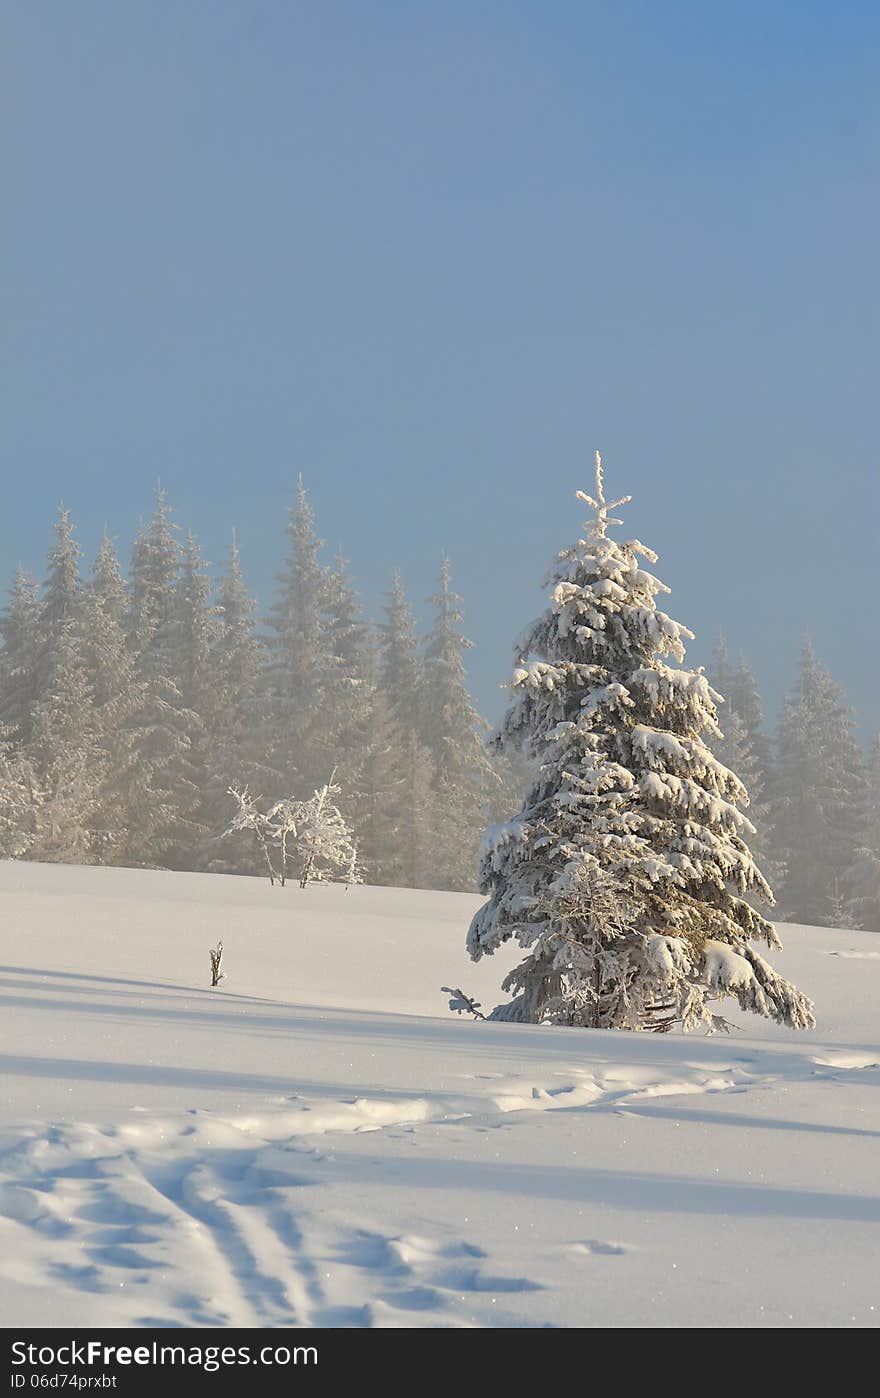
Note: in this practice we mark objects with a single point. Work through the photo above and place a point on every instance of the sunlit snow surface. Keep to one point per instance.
(318, 1142)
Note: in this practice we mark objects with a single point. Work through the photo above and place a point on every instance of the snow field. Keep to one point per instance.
(317, 1142)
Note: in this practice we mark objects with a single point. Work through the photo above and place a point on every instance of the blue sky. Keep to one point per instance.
(431, 255)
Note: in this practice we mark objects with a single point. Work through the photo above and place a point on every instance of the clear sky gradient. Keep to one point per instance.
(431, 255)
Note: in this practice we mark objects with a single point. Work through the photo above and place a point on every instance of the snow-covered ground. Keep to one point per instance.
(318, 1142)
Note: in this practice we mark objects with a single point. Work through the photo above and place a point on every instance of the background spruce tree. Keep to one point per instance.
(164, 803)
(375, 801)
(819, 795)
(736, 681)
(193, 647)
(412, 796)
(240, 736)
(745, 747)
(862, 883)
(295, 679)
(63, 746)
(625, 875)
(402, 672)
(118, 696)
(454, 734)
(20, 802)
(18, 658)
(347, 712)
(21, 796)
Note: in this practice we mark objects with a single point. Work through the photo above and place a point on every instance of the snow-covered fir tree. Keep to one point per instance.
(625, 875)
(376, 798)
(745, 748)
(408, 858)
(376, 802)
(454, 734)
(61, 605)
(155, 568)
(402, 671)
(839, 914)
(736, 681)
(735, 749)
(452, 728)
(63, 746)
(239, 653)
(165, 723)
(240, 735)
(819, 794)
(107, 618)
(862, 882)
(345, 631)
(195, 676)
(62, 751)
(347, 688)
(118, 697)
(296, 676)
(20, 802)
(18, 657)
(419, 821)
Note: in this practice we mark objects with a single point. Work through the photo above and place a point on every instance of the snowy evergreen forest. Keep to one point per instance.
(132, 699)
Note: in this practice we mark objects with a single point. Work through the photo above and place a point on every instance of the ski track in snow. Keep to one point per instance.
(206, 1220)
(205, 1223)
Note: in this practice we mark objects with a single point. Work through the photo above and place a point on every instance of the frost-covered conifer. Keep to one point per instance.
(625, 875)
(63, 751)
(452, 728)
(62, 585)
(819, 795)
(408, 855)
(63, 747)
(20, 802)
(164, 723)
(376, 800)
(296, 674)
(118, 695)
(345, 630)
(155, 569)
(60, 614)
(419, 820)
(736, 681)
(454, 734)
(736, 750)
(746, 749)
(18, 658)
(346, 685)
(402, 672)
(863, 877)
(197, 680)
(238, 650)
(239, 739)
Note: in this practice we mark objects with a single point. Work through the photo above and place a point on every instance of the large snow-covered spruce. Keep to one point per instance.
(626, 876)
